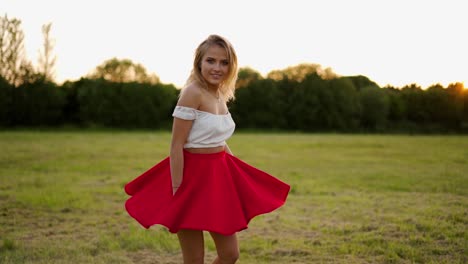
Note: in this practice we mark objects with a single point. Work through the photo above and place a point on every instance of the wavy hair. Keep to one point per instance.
(228, 86)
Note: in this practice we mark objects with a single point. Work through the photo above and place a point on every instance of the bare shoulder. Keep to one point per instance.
(190, 96)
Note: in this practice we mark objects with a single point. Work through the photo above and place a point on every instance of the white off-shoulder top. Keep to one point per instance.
(208, 129)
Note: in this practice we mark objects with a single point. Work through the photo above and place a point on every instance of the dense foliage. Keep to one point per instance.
(350, 104)
(343, 104)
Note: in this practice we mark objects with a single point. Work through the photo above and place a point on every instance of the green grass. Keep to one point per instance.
(354, 198)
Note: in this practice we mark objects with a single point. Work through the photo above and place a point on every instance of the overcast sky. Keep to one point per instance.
(395, 42)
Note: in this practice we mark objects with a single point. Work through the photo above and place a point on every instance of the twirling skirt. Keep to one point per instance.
(219, 193)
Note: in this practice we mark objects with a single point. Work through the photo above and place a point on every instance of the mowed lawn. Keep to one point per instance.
(354, 198)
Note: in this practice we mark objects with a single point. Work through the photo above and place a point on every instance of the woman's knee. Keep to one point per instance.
(229, 256)
(226, 247)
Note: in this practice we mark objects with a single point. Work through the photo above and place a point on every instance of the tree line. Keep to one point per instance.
(122, 94)
(319, 103)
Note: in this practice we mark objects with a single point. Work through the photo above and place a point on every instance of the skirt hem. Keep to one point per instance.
(220, 193)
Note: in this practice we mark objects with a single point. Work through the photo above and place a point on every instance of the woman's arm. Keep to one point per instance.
(180, 131)
(190, 97)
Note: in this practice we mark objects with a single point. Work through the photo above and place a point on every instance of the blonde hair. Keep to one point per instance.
(228, 86)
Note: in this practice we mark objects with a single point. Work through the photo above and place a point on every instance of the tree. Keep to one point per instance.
(465, 107)
(6, 101)
(396, 105)
(124, 70)
(346, 108)
(375, 107)
(14, 67)
(259, 105)
(246, 76)
(361, 81)
(413, 97)
(128, 105)
(37, 103)
(456, 105)
(46, 57)
(300, 71)
(304, 104)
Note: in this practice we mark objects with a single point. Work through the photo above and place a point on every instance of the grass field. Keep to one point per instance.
(354, 198)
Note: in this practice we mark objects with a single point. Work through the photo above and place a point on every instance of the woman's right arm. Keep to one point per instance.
(180, 131)
(190, 97)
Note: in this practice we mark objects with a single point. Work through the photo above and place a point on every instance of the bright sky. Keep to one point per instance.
(395, 42)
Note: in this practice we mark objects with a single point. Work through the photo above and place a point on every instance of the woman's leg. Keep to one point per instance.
(227, 248)
(192, 245)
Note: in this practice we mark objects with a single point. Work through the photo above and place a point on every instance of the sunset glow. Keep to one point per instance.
(391, 42)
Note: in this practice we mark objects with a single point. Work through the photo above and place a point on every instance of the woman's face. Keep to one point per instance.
(214, 66)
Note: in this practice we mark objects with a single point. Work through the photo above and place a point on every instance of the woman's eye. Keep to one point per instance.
(225, 63)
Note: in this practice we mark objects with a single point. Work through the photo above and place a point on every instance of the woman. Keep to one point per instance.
(201, 186)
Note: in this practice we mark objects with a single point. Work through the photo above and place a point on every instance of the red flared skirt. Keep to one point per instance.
(219, 193)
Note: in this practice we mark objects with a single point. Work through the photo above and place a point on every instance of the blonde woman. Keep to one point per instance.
(201, 186)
